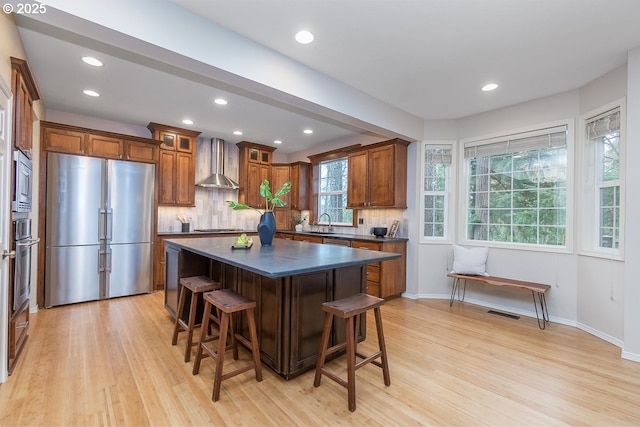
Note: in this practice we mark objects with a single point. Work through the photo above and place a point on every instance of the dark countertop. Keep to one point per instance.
(196, 232)
(369, 238)
(283, 258)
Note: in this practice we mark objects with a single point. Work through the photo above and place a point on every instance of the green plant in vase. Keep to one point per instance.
(267, 224)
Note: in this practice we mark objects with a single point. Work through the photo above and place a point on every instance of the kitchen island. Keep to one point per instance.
(289, 281)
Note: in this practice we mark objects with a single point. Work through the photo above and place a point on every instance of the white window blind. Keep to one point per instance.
(527, 141)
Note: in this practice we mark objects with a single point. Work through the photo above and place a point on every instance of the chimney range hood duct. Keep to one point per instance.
(217, 179)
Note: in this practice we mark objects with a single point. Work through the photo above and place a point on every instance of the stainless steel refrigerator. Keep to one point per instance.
(99, 228)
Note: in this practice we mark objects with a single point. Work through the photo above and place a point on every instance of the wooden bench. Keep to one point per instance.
(537, 289)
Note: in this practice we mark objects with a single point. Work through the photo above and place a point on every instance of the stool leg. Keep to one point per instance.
(176, 328)
(222, 344)
(351, 363)
(255, 347)
(383, 347)
(232, 329)
(322, 353)
(191, 325)
(203, 336)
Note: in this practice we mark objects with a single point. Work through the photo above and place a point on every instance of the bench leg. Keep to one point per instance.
(542, 323)
(456, 287)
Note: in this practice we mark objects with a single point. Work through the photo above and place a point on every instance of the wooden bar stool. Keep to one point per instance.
(197, 285)
(350, 309)
(227, 303)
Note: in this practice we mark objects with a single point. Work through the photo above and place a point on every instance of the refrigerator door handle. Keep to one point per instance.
(109, 214)
(101, 224)
(100, 261)
(108, 260)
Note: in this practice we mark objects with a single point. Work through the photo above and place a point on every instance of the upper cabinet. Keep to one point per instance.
(377, 176)
(176, 165)
(254, 167)
(25, 92)
(300, 185)
(70, 139)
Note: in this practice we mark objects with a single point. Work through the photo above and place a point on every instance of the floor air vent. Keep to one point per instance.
(497, 313)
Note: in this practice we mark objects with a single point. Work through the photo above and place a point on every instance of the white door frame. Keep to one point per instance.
(6, 108)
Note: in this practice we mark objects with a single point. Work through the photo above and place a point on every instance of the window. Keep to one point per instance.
(332, 196)
(437, 165)
(517, 188)
(602, 192)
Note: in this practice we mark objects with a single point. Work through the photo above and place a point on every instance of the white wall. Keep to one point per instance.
(631, 348)
(591, 293)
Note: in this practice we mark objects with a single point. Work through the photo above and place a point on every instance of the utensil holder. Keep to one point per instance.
(185, 226)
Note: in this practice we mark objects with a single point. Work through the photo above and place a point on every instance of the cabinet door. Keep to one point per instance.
(166, 177)
(64, 141)
(381, 176)
(168, 140)
(185, 144)
(280, 174)
(22, 116)
(185, 179)
(105, 147)
(300, 186)
(357, 193)
(256, 174)
(140, 152)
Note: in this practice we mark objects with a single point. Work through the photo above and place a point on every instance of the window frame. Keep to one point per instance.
(590, 184)
(463, 193)
(320, 194)
(449, 193)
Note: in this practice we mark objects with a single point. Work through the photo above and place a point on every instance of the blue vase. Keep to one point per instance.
(267, 228)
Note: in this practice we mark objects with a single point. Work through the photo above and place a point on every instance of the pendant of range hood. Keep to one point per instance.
(217, 178)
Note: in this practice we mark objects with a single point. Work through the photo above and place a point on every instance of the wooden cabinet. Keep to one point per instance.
(308, 238)
(254, 167)
(300, 175)
(378, 176)
(281, 174)
(386, 278)
(25, 92)
(104, 146)
(18, 328)
(62, 138)
(177, 165)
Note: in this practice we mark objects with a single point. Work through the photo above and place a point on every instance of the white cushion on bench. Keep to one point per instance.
(470, 260)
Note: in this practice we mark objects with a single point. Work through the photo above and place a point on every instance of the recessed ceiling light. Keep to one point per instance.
(277, 141)
(308, 131)
(237, 132)
(92, 61)
(489, 87)
(187, 122)
(90, 92)
(220, 101)
(304, 37)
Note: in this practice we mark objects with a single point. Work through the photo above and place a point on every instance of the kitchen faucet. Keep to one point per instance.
(328, 216)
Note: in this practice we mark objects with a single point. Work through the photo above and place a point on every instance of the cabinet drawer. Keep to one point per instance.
(373, 288)
(373, 273)
(374, 246)
(18, 330)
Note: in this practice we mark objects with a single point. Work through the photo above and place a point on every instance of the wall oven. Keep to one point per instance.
(23, 182)
(22, 244)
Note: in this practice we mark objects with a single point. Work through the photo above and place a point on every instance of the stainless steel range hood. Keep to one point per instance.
(217, 179)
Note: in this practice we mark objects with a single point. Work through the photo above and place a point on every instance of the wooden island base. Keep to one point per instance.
(289, 312)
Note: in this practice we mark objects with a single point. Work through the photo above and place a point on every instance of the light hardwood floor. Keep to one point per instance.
(112, 363)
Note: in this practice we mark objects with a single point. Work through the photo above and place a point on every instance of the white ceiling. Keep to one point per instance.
(426, 57)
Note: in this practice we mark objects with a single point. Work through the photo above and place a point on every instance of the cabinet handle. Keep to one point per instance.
(22, 325)
(6, 254)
